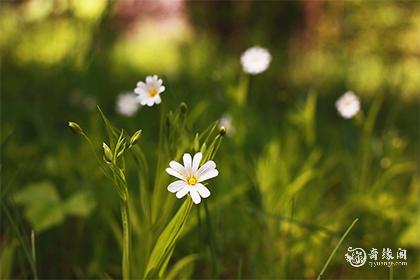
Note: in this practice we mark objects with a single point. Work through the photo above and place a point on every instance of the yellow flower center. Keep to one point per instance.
(152, 91)
(192, 181)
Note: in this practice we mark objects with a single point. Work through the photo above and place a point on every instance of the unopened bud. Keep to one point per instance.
(135, 138)
(183, 108)
(75, 128)
(107, 152)
(222, 131)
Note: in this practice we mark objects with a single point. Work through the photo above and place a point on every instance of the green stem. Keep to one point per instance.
(336, 248)
(126, 240)
(33, 253)
(211, 243)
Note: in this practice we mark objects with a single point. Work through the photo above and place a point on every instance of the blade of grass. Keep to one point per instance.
(336, 248)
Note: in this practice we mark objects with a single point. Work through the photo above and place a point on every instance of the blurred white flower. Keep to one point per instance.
(255, 60)
(226, 122)
(191, 176)
(149, 93)
(127, 104)
(348, 105)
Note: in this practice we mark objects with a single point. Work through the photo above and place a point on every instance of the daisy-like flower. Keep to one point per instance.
(348, 105)
(149, 93)
(191, 176)
(127, 104)
(255, 60)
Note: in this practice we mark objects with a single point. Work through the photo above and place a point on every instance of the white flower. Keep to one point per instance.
(149, 93)
(226, 122)
(191, 177)
(255, 60)
(127, 104)
(348, 105)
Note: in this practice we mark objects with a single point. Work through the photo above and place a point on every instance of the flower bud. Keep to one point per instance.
(222, 131)
(75, 128)
(107, 153)
(183, 108)
(135, 138)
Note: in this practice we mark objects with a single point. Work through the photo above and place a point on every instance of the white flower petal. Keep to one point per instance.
(255, 60)
(158, 99)
(208, 175)
(202, 190)
(187, 163)
(178, 167)
(149, 79)
(161, 89)
(195, 196)
(206, 167)
(150, 102)
(182, 192)
(174, 173)
(139, 90)
(196, 162)
(176, 186)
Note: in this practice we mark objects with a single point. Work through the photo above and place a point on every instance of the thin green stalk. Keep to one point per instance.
(366, 139)
(211, 243)
(126, 240)
(33, 253)
(336, 248)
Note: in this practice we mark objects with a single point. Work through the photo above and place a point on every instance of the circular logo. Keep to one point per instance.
(356, 257)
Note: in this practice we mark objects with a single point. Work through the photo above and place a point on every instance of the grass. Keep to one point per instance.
(293, 173)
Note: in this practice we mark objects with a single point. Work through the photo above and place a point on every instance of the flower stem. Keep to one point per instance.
(126, 240)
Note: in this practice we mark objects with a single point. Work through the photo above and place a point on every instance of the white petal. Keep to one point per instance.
(158, 99)
(150, 102)
(196, 162)
(177, 167)
(143, 101)
(187, 162)
(174, 173)
(202, 190)
(149, 79)
(161, 89)
(182, 192)
(176, 186)
(206, 167)
(208, 175)
(195, 196)
(140, 90)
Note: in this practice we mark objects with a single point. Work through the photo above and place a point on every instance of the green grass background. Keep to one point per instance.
(293, 175)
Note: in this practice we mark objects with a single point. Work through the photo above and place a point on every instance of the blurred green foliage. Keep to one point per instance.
(293, 176)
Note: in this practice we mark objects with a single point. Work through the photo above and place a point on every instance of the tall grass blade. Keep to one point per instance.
(166, 241)
(336, 248)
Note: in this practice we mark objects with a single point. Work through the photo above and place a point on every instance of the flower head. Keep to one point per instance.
(227, 122)
(127, 104)
(191, 176)
(149, 93)
(348, 105)
(255, 60)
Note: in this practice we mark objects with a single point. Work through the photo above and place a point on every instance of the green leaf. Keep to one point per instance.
(167, 240)
(112, 131)
(42, 205)
(80, 204)
(37, 193)
(180, 265)
(44, 216)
